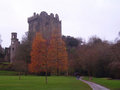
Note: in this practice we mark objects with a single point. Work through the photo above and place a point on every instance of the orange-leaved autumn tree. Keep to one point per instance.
(58, 58)
(38, 55)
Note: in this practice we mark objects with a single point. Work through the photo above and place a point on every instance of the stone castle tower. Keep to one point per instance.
(13, 46)
(10, 52)
(45, 24)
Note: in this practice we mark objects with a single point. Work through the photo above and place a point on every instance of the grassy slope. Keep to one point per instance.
(38, 83)
(112, 84)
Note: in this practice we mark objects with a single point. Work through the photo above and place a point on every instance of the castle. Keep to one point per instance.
(43, 23)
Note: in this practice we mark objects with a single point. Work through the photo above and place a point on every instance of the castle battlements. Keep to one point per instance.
(43, 14)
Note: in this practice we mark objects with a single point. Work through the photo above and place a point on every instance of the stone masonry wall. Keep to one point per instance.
(45, 24)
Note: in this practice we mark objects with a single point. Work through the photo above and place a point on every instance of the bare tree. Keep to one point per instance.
(19, 66)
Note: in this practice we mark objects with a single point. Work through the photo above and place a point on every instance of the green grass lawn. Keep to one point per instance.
(38, 83)
(111, 84)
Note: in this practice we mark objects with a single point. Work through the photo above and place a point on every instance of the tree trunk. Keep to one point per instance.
(57, 71)
(67, 73)
(46, 79)
(26, 71)
(46, 73)
(19, 75)
(90, 75)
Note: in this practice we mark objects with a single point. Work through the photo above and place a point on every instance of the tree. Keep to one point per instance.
(92, 58)
(71, 41)
(19, 66)
(115, 62)
(74, 64)
(58, 57)
(39, 56)
(115, 69)
(72, 45)
(0, 40)
(23, 51)
(1, 51)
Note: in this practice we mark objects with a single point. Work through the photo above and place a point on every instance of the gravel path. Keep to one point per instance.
(94, 86)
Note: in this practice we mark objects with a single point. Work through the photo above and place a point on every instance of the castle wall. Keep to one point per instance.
(7, 55)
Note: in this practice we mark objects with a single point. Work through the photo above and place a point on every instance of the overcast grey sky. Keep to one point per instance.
(80, 18)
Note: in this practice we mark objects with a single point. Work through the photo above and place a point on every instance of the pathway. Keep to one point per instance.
(94, 86)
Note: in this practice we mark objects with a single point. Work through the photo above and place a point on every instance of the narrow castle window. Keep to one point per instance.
(13, 49)
(46, 23)
(12, 42)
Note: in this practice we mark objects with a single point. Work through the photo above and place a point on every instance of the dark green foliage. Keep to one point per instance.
(71, 41)
(94, 41)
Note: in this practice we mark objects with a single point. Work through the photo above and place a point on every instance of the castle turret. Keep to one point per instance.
(13, 47)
